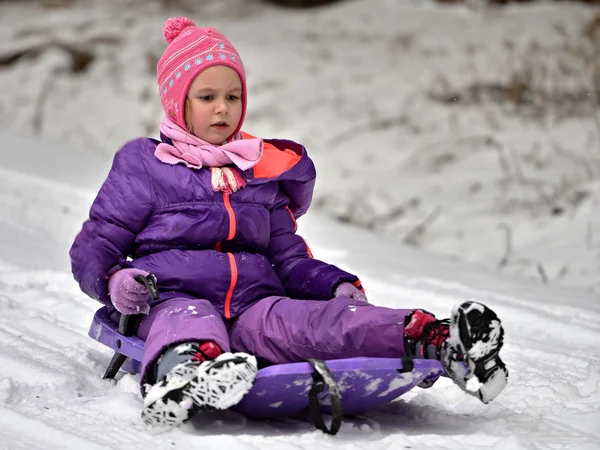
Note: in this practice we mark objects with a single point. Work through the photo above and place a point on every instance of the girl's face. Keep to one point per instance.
(213, 107)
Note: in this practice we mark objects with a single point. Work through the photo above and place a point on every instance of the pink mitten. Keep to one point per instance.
(346, 289)
(126, 294)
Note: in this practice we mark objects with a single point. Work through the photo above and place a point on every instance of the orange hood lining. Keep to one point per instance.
(273, 161)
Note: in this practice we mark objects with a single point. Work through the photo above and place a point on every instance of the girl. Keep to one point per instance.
(210, 211)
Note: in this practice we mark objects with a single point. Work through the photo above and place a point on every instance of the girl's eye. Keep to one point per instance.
(206, 98)
(232, 98)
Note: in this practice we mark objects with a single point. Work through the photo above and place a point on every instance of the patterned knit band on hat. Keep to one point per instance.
(190, 51)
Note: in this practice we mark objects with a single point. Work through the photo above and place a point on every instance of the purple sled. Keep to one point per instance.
(283, 390)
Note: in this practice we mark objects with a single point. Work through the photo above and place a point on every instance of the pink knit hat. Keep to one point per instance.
(190, 51)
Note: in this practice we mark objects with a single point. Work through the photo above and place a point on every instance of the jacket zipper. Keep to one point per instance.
(232, 263)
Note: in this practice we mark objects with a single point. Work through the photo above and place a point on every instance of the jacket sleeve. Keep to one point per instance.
(303, 276)
(120, 211)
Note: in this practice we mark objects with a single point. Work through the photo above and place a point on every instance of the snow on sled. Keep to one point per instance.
(337, 387)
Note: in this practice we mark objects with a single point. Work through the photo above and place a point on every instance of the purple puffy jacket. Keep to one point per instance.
(232, 250)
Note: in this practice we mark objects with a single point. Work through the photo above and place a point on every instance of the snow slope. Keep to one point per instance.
(356, 84)
(52, 394)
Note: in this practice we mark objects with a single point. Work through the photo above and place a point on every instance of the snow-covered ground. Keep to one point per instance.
(356, 83)
(52, 394)
(467, 131)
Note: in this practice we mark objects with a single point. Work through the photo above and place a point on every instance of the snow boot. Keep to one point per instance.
(196, 377)
(467, 344)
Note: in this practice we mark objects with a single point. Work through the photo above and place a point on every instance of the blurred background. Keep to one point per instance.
(467, 128)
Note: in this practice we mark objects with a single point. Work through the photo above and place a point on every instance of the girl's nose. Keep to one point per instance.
(221, 107)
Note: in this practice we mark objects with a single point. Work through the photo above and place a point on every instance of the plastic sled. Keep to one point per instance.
(342, 387)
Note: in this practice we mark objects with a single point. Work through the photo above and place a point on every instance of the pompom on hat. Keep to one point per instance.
(190, 51)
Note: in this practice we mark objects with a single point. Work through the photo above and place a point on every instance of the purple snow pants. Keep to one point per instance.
(279, 329)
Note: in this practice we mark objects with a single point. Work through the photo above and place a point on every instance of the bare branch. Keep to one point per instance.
(516, 169)
(594, 75)
(413, 236)
(542, 273)
(563, 271)
(37, 121)
(507, 247)
(571, 156)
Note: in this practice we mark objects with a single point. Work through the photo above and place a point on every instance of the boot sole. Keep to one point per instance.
(213, 385)
(223, 382)
(477, 334)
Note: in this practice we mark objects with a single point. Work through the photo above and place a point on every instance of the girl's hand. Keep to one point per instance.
(126, 294)
(346, 289)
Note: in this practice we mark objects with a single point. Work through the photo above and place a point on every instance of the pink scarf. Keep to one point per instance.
(196, 153)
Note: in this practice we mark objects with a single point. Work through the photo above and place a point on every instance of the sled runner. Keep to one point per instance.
(336, 387)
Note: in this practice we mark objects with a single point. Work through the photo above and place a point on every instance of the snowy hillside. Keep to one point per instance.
(52, 394)
(470, 132)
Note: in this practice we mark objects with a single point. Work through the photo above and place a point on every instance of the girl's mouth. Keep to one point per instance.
(220, 125)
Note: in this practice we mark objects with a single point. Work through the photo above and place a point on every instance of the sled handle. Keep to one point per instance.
(149, 281)
(322, 377)
(128, 325)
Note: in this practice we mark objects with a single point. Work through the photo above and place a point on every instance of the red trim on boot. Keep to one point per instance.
(437, 336)
(208, 350)
(418, 320)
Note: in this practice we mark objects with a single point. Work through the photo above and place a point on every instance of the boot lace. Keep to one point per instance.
(436, 332)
